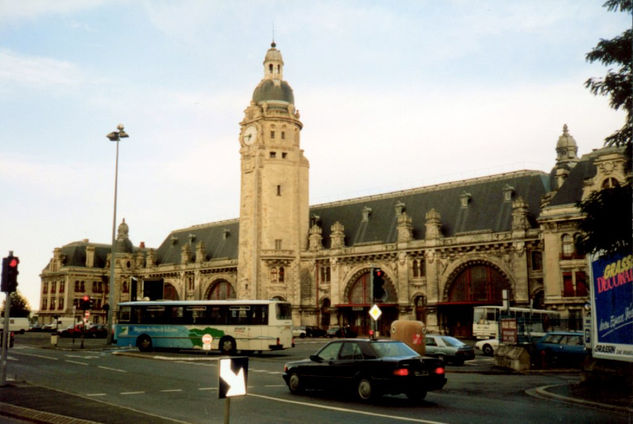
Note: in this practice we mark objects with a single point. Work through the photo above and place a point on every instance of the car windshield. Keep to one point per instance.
(388, 349)
(452, 341)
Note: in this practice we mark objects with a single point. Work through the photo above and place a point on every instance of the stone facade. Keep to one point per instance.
(443, 248)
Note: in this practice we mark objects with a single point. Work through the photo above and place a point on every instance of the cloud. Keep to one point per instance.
(35, 71)
(30, 9)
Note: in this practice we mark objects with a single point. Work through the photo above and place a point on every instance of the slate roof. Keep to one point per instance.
(220, 239)
(75, 254)
(486, 211)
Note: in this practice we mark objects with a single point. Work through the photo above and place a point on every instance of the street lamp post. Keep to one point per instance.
(113, 136)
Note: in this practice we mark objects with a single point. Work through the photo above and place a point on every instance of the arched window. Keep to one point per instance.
(281, 274)
(221, 290)
(273, 275)
(478, 283)
(610, 183)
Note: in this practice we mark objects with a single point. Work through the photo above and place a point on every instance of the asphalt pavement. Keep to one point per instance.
(39, 404)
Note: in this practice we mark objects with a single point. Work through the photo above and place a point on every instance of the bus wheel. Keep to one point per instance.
(227, 345)
(144, 343)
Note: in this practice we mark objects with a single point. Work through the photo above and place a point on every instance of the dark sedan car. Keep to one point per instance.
(369, 368)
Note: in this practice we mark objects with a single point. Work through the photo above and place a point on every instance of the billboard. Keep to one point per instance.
(612, 306)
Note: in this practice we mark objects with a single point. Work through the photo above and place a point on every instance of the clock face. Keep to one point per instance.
(250, 135)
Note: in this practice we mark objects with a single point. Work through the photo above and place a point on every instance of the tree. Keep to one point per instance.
(19, 306)
(607, 226)
(617, 83)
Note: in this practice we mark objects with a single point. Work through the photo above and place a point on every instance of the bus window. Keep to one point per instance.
(154, 315)
(283, 311)
(196, 315)
(176, 315)
(124, 314)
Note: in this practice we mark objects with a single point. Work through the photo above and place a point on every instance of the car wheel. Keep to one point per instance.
(487, 349)
(416, 395)
(294, 383)
(144, 343)
(365, 389)
(227, 345)
(302, 335)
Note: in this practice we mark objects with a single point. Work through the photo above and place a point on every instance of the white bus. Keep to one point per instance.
(530, 322)
(224, 325)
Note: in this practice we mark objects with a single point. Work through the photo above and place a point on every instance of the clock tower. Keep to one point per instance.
(274, 202)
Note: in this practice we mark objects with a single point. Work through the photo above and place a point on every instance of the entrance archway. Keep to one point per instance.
(474, 283)
(358, 300)
(220, 290)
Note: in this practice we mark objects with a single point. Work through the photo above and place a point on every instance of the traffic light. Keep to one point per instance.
(10, 273)
(85, 302)
(378, 289)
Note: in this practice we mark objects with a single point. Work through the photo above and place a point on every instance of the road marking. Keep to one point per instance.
(171, 390)
(207, 388)
(52, 358)
(132, 393)
(351, 411)
(110, 369)
(96, 394)
(274, 385)
(77, 362)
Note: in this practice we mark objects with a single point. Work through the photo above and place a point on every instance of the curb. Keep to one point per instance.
(543, 392)
(39, 417)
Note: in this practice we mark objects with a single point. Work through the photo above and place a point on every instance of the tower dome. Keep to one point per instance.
(566, 147)
(272, 88)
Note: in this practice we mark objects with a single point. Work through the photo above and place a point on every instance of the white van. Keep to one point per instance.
(18, 325)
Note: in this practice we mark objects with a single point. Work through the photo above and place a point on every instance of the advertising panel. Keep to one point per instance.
(612, 306)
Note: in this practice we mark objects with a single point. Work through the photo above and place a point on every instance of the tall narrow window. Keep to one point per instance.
(415, 268)
(273, 275)
(283, 135)
(272, 134)
(278, 244)
(568, 246)
(568, 285)
(278, 190)
(281, 274)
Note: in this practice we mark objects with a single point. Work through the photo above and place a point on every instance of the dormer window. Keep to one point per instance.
(366, 213)
(508, 192)
(465, 199)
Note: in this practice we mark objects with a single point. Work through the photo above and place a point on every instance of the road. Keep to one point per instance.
(184, 388)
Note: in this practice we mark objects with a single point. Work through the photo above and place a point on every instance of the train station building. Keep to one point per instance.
(443, 249)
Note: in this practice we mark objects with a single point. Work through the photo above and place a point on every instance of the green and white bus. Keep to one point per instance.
(224, 325)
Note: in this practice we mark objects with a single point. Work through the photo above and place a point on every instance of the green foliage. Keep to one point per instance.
(607, 225)
(19, 306)
(618, 82)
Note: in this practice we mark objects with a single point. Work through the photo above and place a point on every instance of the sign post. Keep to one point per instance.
(232, 381)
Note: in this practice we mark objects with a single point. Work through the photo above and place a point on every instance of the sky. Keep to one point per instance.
(392, 94)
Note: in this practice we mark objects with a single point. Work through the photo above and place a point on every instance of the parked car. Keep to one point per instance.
(368, 368)
(558, 348)
(74, 331)
(314, 331)
(487, 347)
(11, 338)
(299, 331)
(98, 331)
(448, 349)
(338, 331)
